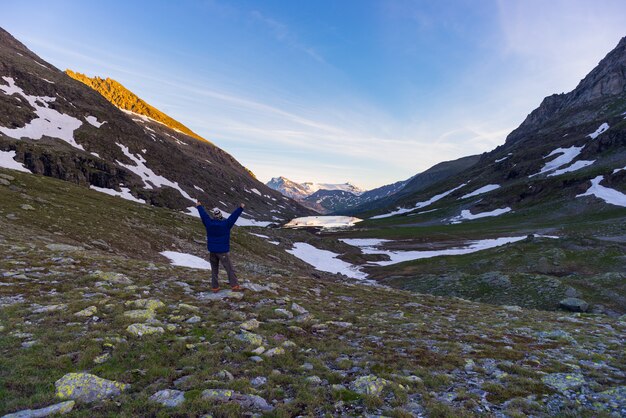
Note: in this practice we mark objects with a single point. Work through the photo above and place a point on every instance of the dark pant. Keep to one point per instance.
(215, 259)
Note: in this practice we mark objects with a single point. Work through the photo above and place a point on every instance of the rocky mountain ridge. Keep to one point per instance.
(59, 127)
(573, 145)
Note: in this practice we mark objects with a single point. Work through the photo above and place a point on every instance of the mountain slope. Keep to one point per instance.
(59, 127)
(123, 98)
(387, 195)
(555, 154)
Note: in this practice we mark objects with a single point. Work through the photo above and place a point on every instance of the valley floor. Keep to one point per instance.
(292, 344)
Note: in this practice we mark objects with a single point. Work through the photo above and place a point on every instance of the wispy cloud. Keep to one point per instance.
(283, 34)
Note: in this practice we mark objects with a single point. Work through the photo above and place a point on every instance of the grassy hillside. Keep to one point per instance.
(343, 349)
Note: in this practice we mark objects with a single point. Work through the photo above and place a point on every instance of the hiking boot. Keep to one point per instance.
(237, 288)
(215, 289)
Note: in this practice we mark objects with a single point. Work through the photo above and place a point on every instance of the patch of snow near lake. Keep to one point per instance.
(324, 260)
(419, 205)
(484, 189)
(323, 222)
(467, 215)
(576, 166)
(611, 196)
(402, 256)
(7, 160)
(186, 260)
(124, 194)
(94, 121)
(149, 177)
(601, 129)
(49, 122)
(566, 157)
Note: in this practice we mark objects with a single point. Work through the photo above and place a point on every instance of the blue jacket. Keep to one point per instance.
(218, 231)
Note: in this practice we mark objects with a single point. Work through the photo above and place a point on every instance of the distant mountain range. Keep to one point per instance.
(96, 133)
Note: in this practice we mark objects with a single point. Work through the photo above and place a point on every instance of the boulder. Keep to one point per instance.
(250, 338)
(169, 397)
(140, 314)
(59, 408)
(90, 311)
(369, 385)
(140, 330)
(87, 387)
(574, 305)
(563, 381)
(250, 325)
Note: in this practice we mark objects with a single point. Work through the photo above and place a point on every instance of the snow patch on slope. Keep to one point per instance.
(484, 189)
(467, 214)
(149, 177)
(124, 194)
(94, 121)
(7, 160)
(49, 122)
(601, 129)
(576, 166)
(419, 205)
(324, 260)
(611, 196)
(186, 260)
(566, 156)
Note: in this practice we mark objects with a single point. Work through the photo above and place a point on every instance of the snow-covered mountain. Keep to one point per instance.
(95, 133)
(300, 191)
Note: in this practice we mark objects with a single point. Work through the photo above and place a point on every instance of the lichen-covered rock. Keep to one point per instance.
(140, 314)
(369, 385)
(274, 352)
(614, 399)
(143, 329)
(87, 387)
(563, 381)
(246, 401)
(250, 325)
(48, 308)
(193, 320)
(340, 324)
(169, 397)
(59, 408)
(102, 358)
(89, 311)
(250, 338)
(188, 307)
(151, 304)
(574, 305)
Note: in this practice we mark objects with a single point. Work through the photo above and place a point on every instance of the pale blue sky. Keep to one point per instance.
(369, 92)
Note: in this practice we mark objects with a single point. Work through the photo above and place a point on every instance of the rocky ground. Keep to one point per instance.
(287, 346)
(104, 327)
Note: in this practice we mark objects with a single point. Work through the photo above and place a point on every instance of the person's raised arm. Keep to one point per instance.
(203, 215)
(234, 216)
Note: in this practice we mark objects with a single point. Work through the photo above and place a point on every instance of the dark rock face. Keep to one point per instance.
(602, 84)
(199, 168)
